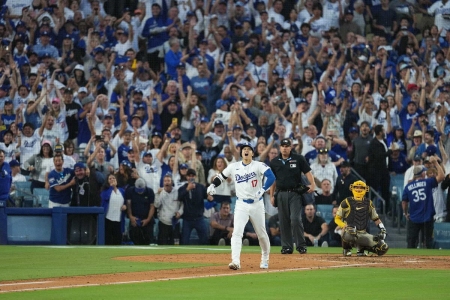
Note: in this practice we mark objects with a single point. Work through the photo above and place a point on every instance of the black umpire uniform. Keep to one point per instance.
(288, 173)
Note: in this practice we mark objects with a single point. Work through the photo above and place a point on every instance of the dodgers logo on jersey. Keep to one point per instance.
(245, 177)
(150, 170)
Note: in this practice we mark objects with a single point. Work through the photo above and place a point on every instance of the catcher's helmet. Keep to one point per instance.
(243, 145)
(359, 189)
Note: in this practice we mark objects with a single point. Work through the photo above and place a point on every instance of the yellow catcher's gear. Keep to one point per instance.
(359, 189)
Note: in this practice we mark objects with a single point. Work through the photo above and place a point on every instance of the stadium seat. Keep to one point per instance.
(441, 235)
(23, 189)
(28, 201)
(325, 211)
(42, 196)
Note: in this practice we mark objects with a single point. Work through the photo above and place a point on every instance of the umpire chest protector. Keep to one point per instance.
(357, 212)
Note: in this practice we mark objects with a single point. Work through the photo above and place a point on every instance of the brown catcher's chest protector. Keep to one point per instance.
(358, 215)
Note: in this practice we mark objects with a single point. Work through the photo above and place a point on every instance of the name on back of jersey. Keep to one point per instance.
(416, 185)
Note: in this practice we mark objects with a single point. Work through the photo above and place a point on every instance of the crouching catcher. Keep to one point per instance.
(353, 215)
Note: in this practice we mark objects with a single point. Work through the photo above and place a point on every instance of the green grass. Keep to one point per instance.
(18, 262)
(44, 262)
(351, 283)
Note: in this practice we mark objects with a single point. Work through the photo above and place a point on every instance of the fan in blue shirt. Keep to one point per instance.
(60, 181)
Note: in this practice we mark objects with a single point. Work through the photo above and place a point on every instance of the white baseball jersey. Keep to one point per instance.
(248, 179)
(150, 173)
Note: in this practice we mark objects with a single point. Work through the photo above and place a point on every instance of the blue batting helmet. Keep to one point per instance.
(243, 145)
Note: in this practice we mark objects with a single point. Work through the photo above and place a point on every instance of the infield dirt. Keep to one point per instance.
(249, 264)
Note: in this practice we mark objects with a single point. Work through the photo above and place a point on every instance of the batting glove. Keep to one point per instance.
(259, 194)
(211, 190)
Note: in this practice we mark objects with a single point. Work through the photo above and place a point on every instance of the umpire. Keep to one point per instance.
(286, 195)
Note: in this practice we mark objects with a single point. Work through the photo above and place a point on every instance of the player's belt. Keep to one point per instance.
(249, 201)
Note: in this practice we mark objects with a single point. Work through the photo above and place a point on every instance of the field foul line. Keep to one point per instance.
(232, 273)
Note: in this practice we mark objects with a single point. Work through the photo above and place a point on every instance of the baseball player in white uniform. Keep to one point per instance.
(248, 177)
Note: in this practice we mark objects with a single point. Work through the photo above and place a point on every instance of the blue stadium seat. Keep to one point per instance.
(28, 201)
(441, 235)
(42, 196)
(23, 188)
(325, 211)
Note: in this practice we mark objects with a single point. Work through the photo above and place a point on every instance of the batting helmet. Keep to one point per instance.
(243, 145)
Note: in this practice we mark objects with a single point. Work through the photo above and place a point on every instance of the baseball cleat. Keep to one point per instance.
(234, 266)
(264, 264)
(361, 253)
(286, 251)
(347, 252)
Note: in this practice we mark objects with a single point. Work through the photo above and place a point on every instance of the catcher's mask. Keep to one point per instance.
(359, 189)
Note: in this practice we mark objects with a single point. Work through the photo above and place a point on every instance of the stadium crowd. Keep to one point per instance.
(161, 93)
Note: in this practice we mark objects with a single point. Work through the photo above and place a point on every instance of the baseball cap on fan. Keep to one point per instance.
(139, 186)
(58, 148)
(14, 163)
(191, 172)
(418, 170)
(431, 150)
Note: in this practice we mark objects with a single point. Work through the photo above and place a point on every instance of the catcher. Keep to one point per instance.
(353, 215)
